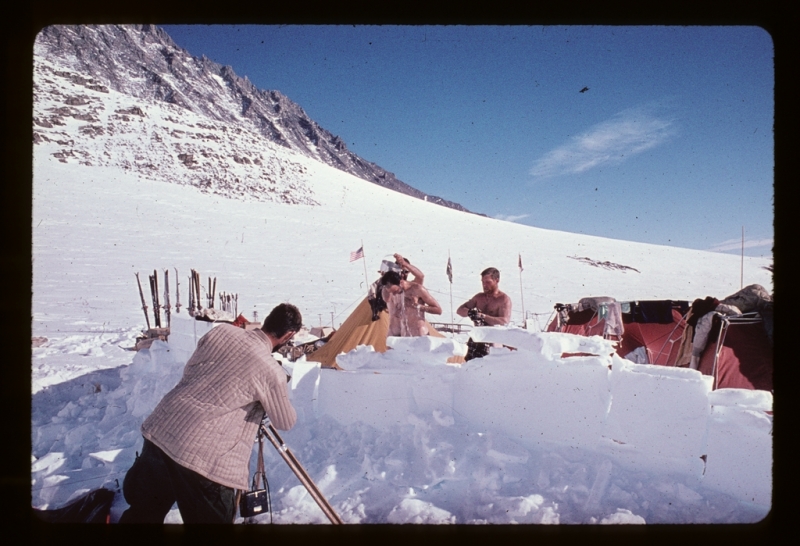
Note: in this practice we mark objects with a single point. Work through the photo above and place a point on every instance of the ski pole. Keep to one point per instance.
(144, 305)
(301, 473)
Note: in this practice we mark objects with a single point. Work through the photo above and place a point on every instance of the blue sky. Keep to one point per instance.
(672, 143)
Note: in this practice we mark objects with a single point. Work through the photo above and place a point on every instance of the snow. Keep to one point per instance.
(520, 436)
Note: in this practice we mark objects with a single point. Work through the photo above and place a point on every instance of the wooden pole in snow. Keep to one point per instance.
(741, 273)
(364, 259)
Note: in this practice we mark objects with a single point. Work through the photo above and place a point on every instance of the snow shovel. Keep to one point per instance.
(284, 451)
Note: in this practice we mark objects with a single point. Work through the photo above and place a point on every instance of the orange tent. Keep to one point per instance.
(358, 329)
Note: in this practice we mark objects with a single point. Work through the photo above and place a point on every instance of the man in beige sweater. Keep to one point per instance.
(199, 438)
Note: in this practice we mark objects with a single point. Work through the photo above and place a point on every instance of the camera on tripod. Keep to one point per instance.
(473, 315)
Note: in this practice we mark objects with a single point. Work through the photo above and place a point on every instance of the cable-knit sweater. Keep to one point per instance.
(209, 420)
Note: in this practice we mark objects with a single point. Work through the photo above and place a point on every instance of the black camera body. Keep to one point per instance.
(473, 316)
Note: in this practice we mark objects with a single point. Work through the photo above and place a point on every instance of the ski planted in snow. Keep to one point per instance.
(166, 296)
(154, 292)
(144, 304)
(197, 300)
(177, 292)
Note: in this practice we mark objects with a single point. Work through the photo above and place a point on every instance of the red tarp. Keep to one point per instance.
(745, 360)
(660, 340)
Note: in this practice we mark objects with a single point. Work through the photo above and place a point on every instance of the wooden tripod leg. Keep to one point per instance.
(301, 474)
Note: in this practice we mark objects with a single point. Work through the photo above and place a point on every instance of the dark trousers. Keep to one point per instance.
(155, 482)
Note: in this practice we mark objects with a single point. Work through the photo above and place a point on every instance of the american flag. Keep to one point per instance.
(357, 255)
(449, 271)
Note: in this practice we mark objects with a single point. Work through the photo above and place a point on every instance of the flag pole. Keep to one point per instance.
(524, 321)
(364, 259)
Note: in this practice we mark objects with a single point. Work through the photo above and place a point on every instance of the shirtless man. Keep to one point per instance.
(407, 302)
(494, 306)
(490, 307)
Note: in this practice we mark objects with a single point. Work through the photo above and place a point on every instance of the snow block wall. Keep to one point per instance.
(380, 399)
(658, 416)
(739, 444)
(535, 401)
(184, 333)
(645, 417)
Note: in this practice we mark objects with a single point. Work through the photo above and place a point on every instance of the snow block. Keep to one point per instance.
(432, 392)
(562, 402)
(427, 345)
(379, 399)
(550, 345)
(304, 387)
(362, 355)
(150, 376)
(739, 451)
(660, 412)
(185, 332)
(745, 398)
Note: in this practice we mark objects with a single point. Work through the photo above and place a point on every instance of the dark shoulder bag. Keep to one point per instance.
(257, 500)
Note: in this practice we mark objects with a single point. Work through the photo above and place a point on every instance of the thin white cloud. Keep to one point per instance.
(628, 133)
(511, 217)
(736, 244)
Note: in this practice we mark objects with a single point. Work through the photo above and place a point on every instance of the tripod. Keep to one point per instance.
(272, 435)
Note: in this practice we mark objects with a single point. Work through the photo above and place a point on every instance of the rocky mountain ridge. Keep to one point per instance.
(143, 63)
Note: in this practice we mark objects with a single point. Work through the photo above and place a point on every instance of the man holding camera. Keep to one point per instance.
(491, 306)
(199, 438)
(488, 308)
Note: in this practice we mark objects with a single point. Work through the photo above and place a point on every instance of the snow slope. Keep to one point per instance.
(95, 225)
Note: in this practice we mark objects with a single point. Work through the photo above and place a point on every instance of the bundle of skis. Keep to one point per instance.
(228, 302)
(156, 302)
(158, 331)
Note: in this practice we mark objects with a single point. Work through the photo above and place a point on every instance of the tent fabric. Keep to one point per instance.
(660, 340)
(358, 329)
(658, 311)
(745, 359)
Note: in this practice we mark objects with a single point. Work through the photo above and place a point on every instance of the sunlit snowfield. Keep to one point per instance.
(95, 226)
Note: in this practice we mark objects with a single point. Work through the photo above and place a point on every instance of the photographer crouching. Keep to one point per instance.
(199, 438)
